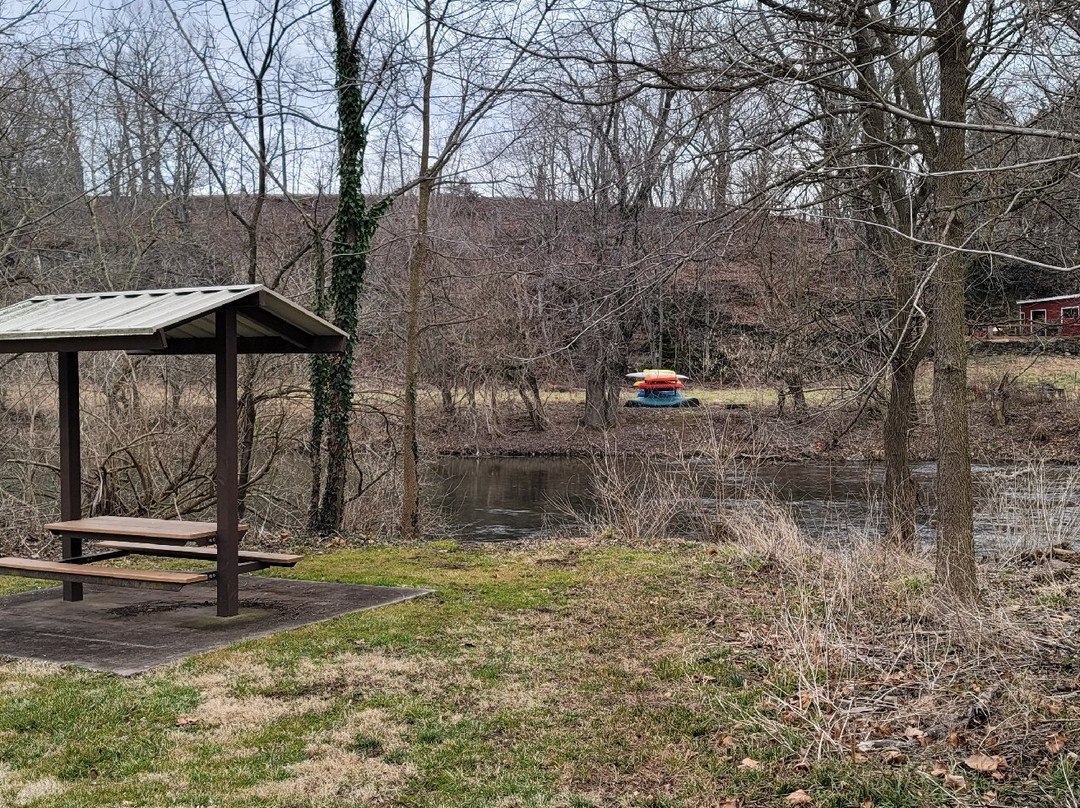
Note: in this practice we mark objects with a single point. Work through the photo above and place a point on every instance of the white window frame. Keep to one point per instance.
(1065, 315)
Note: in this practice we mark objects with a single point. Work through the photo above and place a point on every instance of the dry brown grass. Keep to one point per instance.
(882, 661)
(333, 772)
(875, 661)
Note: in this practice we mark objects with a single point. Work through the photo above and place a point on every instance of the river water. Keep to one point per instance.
(504, 498)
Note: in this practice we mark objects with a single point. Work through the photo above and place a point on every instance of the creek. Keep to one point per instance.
(506, 498)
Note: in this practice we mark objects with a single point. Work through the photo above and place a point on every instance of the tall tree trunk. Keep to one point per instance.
(529, 391)
(955, 562)
(332, 377)
(320, 380)
(601, 384)
(796, 389)
(909, 348)
(899, 484)
(892, 198)
(252, 224)
(410, 497)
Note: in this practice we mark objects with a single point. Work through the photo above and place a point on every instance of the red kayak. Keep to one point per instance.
(659, 384)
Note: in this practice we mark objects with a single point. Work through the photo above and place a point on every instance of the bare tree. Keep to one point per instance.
(456, 52)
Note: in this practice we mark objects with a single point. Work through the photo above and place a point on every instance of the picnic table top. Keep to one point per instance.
(136, 527)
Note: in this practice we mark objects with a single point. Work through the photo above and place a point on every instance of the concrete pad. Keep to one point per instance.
(129, 631)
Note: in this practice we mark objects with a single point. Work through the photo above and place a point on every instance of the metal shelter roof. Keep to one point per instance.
(171, 321)
(1047, 299)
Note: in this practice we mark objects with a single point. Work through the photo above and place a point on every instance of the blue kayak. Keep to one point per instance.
(662, 398)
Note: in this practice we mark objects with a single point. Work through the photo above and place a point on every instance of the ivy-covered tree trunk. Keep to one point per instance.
(332, 376)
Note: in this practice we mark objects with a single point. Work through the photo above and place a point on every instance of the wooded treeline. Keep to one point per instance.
(500, 196)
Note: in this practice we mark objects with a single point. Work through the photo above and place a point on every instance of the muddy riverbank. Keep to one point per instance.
(1036, 430)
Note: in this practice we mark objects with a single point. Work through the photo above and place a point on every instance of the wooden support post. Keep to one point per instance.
(70, 463)
(228, 518)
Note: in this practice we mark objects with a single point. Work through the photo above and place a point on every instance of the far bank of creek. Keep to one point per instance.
(507, 498)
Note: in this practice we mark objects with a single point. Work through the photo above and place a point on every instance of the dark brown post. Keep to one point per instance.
(228, 520)
(70, 463)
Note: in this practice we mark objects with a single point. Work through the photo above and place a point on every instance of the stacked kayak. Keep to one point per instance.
(659, 388)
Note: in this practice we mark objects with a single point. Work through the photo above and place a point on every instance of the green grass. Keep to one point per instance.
(570, 675)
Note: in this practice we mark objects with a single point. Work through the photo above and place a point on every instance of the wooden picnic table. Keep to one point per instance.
(119, 536)
(160, 531)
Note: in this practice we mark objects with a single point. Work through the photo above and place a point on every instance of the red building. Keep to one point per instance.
(1051, 316)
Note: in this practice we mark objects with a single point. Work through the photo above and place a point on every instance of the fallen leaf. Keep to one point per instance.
(989, 797)
(749, 764)
(981, 763)
(184, 720)
(799, 797)
(954, 740)
(730, 802)
(1053, 708)
(867, 803)
(955, 782)
(913, 732)
(894, 757)
(1055, 744)
(939, 770)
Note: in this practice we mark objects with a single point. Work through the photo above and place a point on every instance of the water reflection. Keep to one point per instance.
(497, 498)
(491, 499)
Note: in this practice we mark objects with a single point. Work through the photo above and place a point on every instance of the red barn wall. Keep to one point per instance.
(1070, 326)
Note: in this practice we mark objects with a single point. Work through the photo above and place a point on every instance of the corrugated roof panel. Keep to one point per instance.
(184, 308)
(311, 322)
(17, 317)
(45, 318)
(178, 313)
(109, 313)
(162, 310)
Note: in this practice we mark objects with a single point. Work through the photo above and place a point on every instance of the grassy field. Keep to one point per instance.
(573, 674)
(1061, 371)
